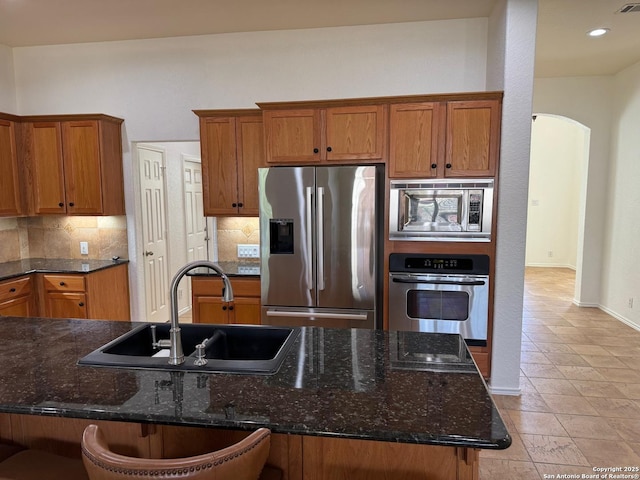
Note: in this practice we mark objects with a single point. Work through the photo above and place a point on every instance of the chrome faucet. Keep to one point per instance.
(176, 355)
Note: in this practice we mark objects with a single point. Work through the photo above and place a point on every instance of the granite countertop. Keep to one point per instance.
(366, 384)
(50, 265)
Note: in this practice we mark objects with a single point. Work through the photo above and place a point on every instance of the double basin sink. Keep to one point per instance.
(251, 349)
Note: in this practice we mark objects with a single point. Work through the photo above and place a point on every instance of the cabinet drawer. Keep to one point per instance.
(64, 283)
(212, 286)
(15, 288)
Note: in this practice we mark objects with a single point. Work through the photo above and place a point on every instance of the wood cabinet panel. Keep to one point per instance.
(10, 200)
(344, 459)
(82, 173)
(47, 167)
(208, 306)
(335, 134)
(65, 305)
(103, 294)
(416, 133)
(75, 165)
(232, 146)
(473, 138)
(355, 133)
(292, 136)
(17, 297)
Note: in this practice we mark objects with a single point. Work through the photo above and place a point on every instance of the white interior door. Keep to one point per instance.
(154, 233)
(195, 221)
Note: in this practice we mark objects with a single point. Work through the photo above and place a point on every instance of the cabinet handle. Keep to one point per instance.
(61, 204)
(328, 149)
(234, 205)
(71, 204)
(81, 304)
(62, 284)
(240, 204)
(434, 165)
(224, 307)
(230, 307)
(12, 290)
(315, 150)
(448, 165)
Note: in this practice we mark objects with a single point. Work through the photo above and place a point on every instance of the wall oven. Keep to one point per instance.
(441, 209)
(440, 294)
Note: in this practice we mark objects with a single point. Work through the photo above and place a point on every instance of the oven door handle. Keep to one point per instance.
(436, 282)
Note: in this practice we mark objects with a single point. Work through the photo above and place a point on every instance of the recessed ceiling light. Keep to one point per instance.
(598, 32)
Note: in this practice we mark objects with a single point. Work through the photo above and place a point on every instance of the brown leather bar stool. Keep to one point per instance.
(244, 460)
(19, 463)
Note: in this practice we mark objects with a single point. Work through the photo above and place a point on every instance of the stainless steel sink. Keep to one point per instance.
(255, 349)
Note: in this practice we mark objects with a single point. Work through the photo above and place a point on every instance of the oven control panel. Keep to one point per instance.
(425, 263)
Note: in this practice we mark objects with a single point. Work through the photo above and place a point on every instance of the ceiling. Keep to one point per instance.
(562, 48)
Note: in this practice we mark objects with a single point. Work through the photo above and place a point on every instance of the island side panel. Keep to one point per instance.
(345, 459)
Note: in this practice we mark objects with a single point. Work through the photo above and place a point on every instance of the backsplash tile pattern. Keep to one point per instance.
(60, 236)
(234, 231)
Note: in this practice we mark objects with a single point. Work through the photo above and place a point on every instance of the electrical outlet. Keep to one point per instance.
(550, 254)
(248, 251)
(84, 248)
(630, 302)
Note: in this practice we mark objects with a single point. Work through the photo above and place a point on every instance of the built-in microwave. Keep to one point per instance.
(441, 210)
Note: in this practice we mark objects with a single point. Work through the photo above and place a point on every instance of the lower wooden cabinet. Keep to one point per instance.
(17, 297)
(103, 294)
(208, 306)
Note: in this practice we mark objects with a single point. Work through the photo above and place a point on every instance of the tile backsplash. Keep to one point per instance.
(59, 236)
(234, 231)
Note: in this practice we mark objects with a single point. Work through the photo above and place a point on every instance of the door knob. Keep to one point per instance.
(148, 253)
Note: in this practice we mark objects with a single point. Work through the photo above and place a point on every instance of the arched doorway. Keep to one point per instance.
(557, 194)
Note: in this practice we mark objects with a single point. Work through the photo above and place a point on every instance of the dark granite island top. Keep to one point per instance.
(359, 384)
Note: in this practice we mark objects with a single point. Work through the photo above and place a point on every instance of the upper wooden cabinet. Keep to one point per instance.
(416, 139)
(322, 133)
(75, 164)
(473, 138)
(10, 199)
(232, 146)
(456, 138)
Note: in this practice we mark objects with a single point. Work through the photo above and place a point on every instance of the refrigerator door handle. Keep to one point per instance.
(345, 316)
(320, 243)
(309, 226)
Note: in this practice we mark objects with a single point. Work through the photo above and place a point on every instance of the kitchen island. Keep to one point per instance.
(358, 404)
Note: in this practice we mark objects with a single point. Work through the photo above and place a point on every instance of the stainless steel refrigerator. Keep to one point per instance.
(320, 238)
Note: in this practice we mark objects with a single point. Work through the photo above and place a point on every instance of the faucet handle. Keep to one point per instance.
(200, 360)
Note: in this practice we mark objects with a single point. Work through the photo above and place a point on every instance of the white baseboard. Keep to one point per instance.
(619, 317)
(550, 265)
(584, 304)
(515, 392)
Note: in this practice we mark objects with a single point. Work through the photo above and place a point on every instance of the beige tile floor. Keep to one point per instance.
(580, 381)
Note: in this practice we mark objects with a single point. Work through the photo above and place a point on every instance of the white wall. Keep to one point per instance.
(559, 155)
(7, 81)
(510, 68)
(621, 259)
(154, 84)
(587, 100)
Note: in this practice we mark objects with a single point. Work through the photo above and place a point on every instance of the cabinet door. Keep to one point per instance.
(10, 204)
(219, 166)
(210, 310)
(473, 138)
(66, 305)
(415, 131)
(17, 307)
(292, 136)
(45, 143)
(250, 157)
(83, 178)
(246, 310)
(355, 133)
